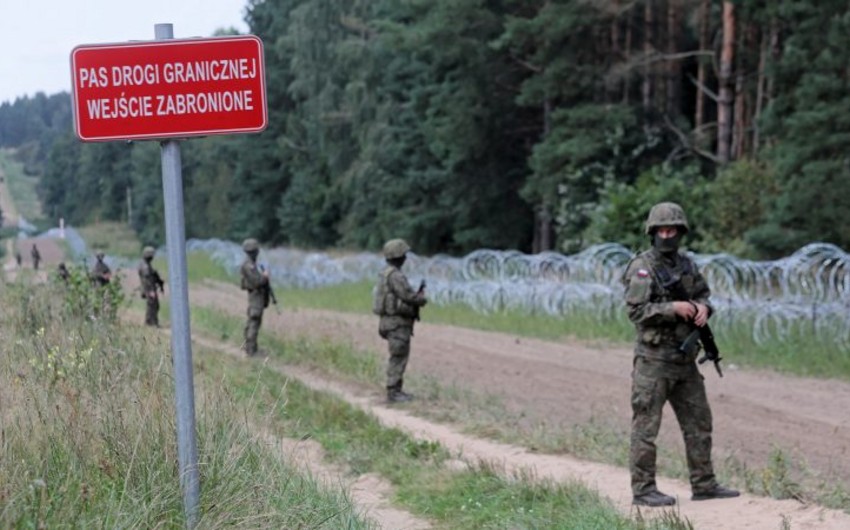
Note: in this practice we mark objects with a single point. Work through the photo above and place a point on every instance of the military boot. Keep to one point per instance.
(395, 395)
(717, 492)
(653, 499)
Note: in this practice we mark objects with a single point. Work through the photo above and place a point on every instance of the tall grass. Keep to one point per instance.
(89, 437)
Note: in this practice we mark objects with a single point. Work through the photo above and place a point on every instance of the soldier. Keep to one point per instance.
(18, 258)
(63, 273)
(398, 306)
(661, 372)
(256, 282)
(150, 281)
(36, 256)
(101, 273)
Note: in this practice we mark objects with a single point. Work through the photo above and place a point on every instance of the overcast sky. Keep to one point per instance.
(37, 36)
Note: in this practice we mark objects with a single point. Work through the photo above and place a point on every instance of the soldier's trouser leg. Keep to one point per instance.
(252, 329)
(152, 313)
(649, 392)
(691, 407)
(399, 346)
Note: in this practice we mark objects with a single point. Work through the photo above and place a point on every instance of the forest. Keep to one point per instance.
(507, 124)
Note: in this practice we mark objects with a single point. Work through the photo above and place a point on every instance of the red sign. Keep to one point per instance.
(169, 88)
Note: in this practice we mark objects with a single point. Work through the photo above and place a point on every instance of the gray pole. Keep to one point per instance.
(181, 344)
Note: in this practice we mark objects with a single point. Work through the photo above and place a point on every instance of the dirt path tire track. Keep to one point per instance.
(745, 512)
(564, 382)
(754, 411)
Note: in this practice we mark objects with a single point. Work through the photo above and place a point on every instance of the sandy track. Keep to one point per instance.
(562, 382)
(568, 383)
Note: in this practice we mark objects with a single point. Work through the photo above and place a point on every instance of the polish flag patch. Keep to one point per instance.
(642, 273)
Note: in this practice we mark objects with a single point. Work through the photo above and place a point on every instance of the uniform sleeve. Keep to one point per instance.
(639, 283)
(400, 287)
(252, 277)
(701, 292)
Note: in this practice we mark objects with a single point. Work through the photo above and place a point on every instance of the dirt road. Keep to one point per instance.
(567, 383)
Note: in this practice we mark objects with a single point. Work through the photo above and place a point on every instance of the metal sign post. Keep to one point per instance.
(181, 343)
(167, 90)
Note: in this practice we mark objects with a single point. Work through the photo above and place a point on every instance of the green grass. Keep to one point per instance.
(113, 238)
(357, 298)
(88, 434)
(801, 352)
(199, 267)
(600, 439)
(478, 497)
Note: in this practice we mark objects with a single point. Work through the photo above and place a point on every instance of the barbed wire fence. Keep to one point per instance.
(805, 293)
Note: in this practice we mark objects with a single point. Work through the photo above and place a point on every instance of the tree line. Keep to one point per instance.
(526, 124)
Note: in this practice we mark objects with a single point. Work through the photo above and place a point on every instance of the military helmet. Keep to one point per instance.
(99, 255)
(250, 245)
(148, 252)
(395, 248)
(666, 214)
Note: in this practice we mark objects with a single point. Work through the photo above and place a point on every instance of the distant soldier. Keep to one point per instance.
(63, 273)
(101, 274)
(398, 306)
(150, 282)
(256, 282)
(18, 259)
(36, 256)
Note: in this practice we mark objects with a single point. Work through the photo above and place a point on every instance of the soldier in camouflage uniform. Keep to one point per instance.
(398, 306)
(101, 274)
(661, 372)
(150, 282)
(36, 256)
(256, 282)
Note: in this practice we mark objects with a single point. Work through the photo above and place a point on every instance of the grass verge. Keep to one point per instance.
(88, 434)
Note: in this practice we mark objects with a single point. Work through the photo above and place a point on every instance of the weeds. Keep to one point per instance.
(88, 434)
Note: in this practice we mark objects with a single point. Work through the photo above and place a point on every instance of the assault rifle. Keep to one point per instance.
(699, 334)
(706, 337)
(270, 290)
(157, 279)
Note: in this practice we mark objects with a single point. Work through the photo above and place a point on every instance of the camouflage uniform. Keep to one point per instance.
(63, 273)
(36, 257)
(661, 372)
(101, 273)
(398, 306)
(150, 281)
(256, 283)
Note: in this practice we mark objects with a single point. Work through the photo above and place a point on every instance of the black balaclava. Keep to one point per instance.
(667, 246)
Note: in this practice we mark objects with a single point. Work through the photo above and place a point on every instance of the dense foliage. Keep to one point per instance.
(528, 124)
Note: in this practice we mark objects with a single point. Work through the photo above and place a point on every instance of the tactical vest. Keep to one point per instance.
(661, 341)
